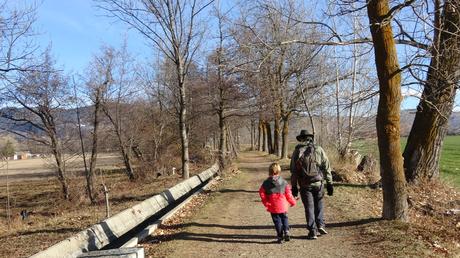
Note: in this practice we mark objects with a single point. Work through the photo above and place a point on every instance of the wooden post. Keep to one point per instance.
(107, 204)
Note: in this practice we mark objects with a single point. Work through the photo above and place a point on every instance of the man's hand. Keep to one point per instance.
(295, 191)
(330, 189)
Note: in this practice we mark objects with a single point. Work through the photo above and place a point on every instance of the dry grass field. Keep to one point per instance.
(52, 219)
(36, 168)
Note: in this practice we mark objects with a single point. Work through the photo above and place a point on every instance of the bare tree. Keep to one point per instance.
(16, 41)
(115, 91)
(225, 96)
(171, 26)
(41, 94)
(423, 149)
(97, 82)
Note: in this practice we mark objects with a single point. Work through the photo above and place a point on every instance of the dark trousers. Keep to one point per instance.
(312, 199)
(281, 223)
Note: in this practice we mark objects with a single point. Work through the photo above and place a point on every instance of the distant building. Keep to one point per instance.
(22, 155)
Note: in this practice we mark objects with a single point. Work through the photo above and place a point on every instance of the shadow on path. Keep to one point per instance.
(242, 238)
(236, 191)
(352, 223)
(222, 238)
(270, 226)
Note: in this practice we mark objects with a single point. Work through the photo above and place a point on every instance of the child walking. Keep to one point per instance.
(276, 195)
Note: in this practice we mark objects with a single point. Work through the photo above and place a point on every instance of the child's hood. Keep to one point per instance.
(274, 184)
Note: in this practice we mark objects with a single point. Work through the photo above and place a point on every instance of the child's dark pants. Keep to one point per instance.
(281, 223)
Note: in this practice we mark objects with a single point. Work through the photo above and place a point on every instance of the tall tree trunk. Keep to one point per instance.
(277, 134)
(222, 138)
(94, 150)
(347, 146)
(88, 174)
(183, 116)
(269, 138)
(265, 137)
(285, 136)
(423, 149)
(388, 114)
(337, 107)
(60, 170)
(252, 135)
(261, 138)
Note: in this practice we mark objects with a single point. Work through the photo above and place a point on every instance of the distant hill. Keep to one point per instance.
(408, 115)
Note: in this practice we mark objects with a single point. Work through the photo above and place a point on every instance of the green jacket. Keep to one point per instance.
(323, 163)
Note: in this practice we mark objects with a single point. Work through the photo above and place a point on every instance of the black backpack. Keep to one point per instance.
(307, 166)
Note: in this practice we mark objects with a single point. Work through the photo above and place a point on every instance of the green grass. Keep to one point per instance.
(450, 156)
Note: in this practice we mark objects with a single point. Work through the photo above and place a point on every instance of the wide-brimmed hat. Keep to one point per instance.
(303, 134)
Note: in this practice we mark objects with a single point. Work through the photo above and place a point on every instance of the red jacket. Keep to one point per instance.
(276, 195)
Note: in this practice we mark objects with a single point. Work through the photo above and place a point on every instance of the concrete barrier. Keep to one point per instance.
(132, 252)
(107, 231)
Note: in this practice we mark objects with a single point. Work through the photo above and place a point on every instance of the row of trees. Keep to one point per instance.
(266, 62)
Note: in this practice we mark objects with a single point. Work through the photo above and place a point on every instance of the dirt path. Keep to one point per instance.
(235, 223)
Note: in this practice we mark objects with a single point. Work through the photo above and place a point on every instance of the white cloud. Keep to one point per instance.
(410, 92)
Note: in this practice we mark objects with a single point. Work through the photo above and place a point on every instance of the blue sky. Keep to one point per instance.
(76, 29)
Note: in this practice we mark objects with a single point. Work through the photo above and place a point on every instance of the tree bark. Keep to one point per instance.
(261, 136)
(269, 138)
(94, 150)
(222, 142)
(388, 114)
(265, 137)
(183, 117)
(57, 153)
(277, 133)
(285, 136)
(423, 149)
(252, 134)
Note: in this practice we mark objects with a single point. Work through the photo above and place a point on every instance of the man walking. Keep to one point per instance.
(309, 169)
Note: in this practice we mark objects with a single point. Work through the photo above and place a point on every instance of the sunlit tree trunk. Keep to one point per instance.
(222, 138)
(388, 114)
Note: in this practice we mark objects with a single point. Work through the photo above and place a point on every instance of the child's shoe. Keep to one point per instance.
(287, 237)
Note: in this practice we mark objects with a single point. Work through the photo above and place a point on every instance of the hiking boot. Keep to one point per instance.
(312, 235)
(322, 231)
(279, 240)
(287, 237)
